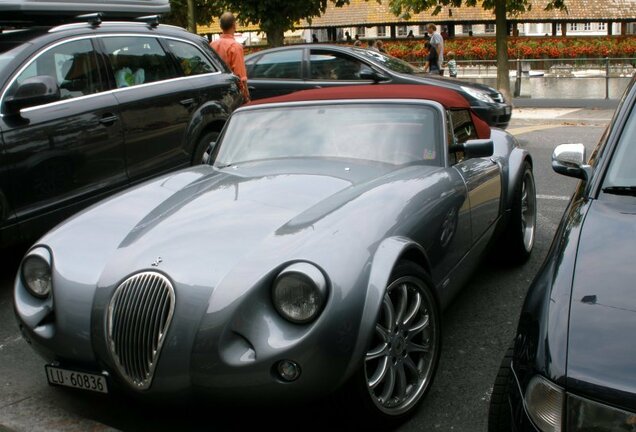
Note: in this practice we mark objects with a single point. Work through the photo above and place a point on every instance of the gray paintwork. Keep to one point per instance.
(224, 234)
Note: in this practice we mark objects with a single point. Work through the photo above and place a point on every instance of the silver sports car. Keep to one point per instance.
(314, 253)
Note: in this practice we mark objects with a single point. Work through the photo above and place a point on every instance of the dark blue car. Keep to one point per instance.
(572, 364)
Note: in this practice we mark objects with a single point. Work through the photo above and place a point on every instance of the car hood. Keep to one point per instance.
(197, 224)
(602, 342)
(454, 84)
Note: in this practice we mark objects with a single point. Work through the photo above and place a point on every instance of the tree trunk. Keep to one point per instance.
(275, 35)
(192, 22)
(503, 76)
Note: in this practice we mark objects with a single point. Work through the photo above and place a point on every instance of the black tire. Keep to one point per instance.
(203, 147)
(517, 241)
(374, 412)
(499, 414)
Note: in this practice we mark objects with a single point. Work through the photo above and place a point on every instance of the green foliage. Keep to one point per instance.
(274, 13)
(268, 14)
(514, 7)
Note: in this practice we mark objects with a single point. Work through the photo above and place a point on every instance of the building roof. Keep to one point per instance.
(447, 98)
(369, 13)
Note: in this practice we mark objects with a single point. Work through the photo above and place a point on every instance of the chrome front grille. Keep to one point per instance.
(139, 316)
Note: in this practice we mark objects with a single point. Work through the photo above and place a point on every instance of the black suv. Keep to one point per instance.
(89, 108)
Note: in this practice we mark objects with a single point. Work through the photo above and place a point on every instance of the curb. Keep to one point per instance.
(565, 103)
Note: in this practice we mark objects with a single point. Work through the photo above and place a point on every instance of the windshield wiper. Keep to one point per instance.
(224, 166)
(620, 190)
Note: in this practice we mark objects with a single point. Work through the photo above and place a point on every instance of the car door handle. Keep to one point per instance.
(186, 102)
(108, 119)
(317, 86)
(250, 88)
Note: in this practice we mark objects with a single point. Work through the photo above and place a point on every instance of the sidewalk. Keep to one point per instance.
(559, 111)
(608, 104)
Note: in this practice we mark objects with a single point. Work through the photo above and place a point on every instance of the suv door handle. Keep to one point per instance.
(108, 119)
(186, 102)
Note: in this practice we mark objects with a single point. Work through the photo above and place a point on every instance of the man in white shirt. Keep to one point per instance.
(438, 42)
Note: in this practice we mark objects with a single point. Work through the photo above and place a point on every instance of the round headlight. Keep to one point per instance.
(299, 293)
(36, 273)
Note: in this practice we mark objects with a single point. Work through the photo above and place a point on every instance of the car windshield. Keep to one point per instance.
(392, 63)
(387, 133)
(621, 172)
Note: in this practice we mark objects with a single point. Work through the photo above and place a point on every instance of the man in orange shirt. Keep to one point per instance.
(231, 51)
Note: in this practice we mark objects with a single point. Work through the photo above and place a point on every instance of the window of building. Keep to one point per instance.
(602, 26)
(381, 31)
(401, 30)
(467, 28)
(421, 30)
(558, 27)
(587, 26)
(361, 31)
(490, 28)
(574, 26)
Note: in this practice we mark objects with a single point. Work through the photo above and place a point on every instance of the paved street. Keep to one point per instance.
(477, 328)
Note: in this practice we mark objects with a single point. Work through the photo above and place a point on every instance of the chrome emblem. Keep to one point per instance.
(156, 262)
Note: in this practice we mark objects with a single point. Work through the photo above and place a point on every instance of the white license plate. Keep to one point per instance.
(75, 379)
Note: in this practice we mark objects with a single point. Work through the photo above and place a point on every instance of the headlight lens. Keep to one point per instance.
(477, 94)
(299, 293)
(544, 402)
(586, 415)
(36, 272)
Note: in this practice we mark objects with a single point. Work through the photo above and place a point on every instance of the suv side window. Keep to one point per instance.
(72, 64)
(282, 64)
(137, 60)
(327, 65)
(191, 60)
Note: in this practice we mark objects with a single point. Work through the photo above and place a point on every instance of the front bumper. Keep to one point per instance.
(497, 115)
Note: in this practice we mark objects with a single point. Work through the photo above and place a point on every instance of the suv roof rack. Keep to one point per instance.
(151, 20)
(94, 19)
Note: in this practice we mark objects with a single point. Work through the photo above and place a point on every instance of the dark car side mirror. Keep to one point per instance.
(475, 148)
(569, 160)
(33, 91)
(367, 73)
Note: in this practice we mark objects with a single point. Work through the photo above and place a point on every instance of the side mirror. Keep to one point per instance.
(33, 91)
(366, 73)
(569, 160)
(475, 148)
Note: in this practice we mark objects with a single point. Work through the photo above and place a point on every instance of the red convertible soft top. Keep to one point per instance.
(447, 98)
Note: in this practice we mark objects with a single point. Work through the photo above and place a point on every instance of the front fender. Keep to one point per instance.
(542, 334)
(382, 264)
(507, 148)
